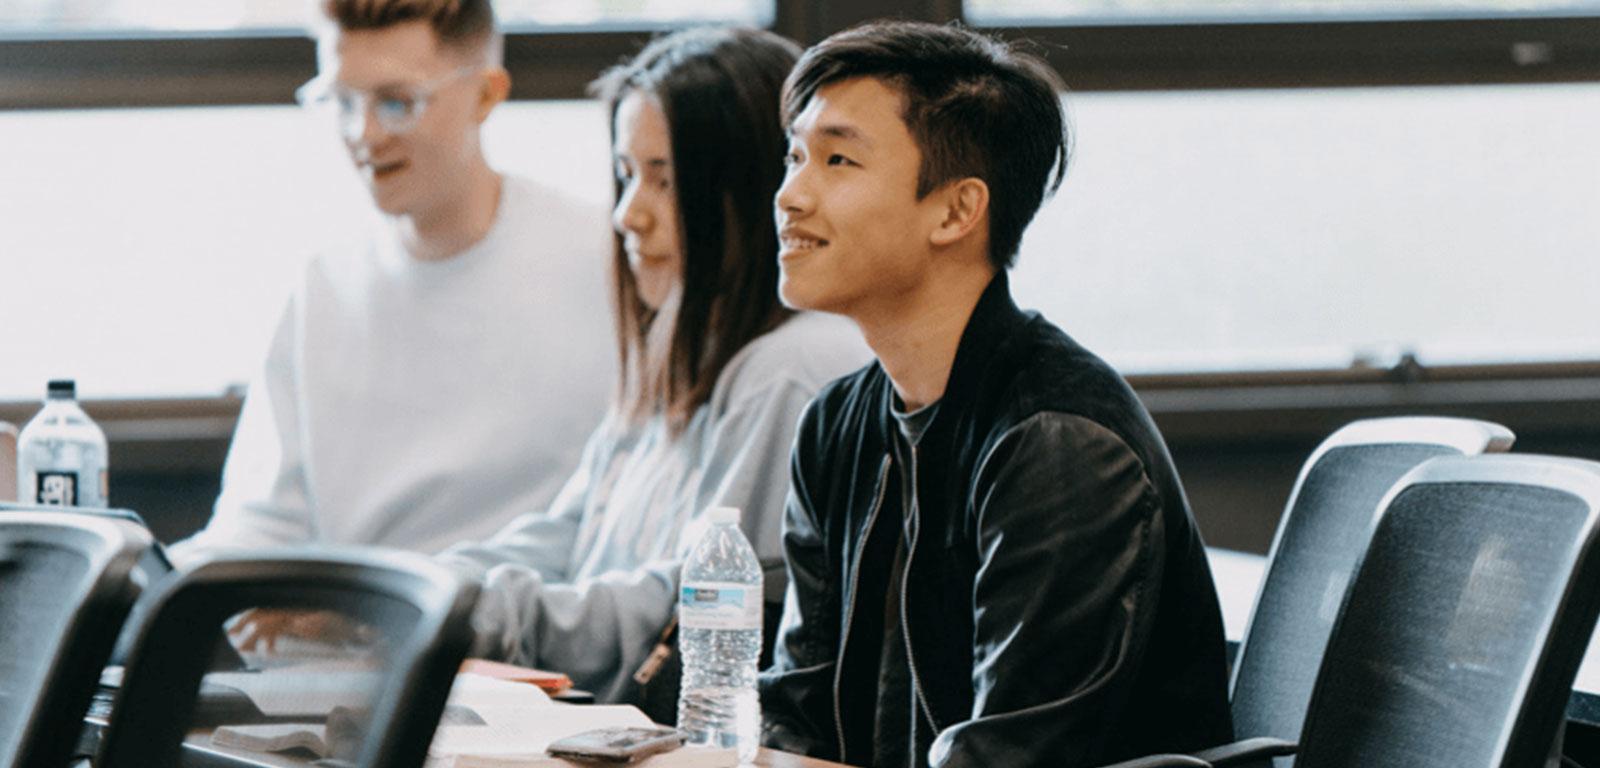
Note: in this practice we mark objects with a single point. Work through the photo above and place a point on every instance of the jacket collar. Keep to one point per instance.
(994, 318)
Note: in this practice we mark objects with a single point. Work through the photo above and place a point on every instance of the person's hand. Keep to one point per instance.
(258, 627)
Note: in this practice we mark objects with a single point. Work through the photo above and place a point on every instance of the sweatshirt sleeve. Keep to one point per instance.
(265, 499)
(529, 551)
(541, 541)
(598, 630)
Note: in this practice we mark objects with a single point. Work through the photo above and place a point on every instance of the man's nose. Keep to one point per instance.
(793, 196)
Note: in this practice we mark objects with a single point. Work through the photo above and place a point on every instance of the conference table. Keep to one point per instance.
(200, 753)
(506, 706)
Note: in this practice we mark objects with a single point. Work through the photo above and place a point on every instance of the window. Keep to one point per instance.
(1260, 185)
(520, 15)
(1196, 11)
(132, 16)
(1325, 229)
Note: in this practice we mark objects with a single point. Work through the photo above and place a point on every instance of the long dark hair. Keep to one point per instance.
(719, 89)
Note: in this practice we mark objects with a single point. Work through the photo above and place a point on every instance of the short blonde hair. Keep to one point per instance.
(463, 25)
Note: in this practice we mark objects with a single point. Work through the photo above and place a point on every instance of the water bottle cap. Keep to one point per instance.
(723, 515)
(61, 389)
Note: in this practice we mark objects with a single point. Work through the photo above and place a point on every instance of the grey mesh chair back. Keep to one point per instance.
(1463, 629)
(1323, 531)
(153, 568)
(65, 588)
(415, 621)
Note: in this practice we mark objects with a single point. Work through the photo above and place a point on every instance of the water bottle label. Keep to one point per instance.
(719, 605)
(58, 488)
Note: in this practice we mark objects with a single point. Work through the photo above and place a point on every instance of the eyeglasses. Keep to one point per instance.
(396, 108)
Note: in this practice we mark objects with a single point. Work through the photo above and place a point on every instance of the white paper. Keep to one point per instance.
(284, 693)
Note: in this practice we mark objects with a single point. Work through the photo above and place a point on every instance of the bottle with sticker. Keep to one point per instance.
(719, 620)
(61, 453)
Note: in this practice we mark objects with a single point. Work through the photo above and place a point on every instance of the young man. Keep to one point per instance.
(439, 375)
(991, 561)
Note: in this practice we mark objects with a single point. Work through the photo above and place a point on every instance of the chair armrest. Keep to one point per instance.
(1246, 750)
(1162, 761)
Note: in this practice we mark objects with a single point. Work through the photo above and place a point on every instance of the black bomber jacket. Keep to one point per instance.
(1058, 608)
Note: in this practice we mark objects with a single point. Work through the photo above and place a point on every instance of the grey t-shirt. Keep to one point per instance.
(898, 726)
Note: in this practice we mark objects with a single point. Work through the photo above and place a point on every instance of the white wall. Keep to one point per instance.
(145, 251)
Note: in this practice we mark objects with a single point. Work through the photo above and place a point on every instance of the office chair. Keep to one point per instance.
(66, 585)
(1321, 535)
(1460, 635)
(1463, 630)
(152, 570)
(413, 618)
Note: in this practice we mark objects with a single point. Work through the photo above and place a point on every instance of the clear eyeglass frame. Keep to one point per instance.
(396, 108)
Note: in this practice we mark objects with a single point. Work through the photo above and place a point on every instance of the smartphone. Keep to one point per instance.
(617, 744)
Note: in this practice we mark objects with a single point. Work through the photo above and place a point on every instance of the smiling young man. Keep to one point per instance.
(991, 560)
(437, 375)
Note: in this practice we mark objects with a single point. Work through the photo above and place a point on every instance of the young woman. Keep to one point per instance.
(715, 371)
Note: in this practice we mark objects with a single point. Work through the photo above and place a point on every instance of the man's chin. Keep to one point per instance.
(794, 296)
(389, 203)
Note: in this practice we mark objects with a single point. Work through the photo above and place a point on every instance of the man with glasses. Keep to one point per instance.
(438, 377)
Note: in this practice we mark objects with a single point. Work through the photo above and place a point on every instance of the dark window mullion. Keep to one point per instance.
(808, 21)
(1316, 54)
(157, 71)
(560, 65)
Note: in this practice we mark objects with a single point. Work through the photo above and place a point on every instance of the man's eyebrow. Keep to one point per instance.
(844, 131)
(835, 130)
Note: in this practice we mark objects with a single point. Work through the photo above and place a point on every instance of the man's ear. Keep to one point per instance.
(494, 86)
(965, 205)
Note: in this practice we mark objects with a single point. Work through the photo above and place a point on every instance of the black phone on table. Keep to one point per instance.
(617, 744)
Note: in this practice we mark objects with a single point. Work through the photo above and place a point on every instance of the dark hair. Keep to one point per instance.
(719, 90)
(975, 106)
(459, 24)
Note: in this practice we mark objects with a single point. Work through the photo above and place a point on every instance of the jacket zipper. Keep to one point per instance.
(905, 629)
(850, 610)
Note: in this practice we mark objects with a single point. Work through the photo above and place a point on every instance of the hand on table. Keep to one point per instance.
(258, 627)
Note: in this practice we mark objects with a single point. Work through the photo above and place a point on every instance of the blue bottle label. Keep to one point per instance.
(719, 605)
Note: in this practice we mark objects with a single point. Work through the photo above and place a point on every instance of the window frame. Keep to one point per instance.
(264, 67)
(1559, 401)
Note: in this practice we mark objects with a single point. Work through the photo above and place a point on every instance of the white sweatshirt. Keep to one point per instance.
(414, 404)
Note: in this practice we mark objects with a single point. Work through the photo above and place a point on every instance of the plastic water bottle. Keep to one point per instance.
(61, 453)
(719, 620)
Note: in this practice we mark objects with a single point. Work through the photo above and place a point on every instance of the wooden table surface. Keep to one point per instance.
(199, 744)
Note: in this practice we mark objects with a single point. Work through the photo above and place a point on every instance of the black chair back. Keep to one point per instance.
(396, 627)
(66, 585)
(1322, 533)
(1464, 626)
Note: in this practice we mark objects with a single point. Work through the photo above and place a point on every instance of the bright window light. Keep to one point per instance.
(1223, 11)
(102, 16)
